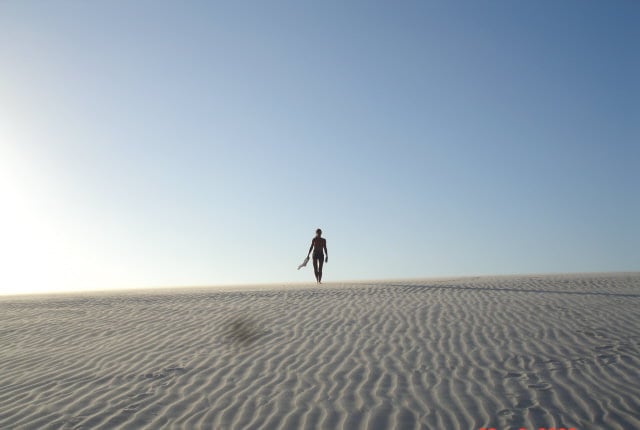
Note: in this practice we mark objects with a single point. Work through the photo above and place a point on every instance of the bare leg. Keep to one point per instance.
(320, 264)
(315, 268)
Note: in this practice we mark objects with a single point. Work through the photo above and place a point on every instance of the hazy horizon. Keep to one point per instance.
(165, 144)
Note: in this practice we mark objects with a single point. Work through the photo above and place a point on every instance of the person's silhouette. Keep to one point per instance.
(319, 247)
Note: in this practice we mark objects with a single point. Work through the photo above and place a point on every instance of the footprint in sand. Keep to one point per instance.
(175, 368)
(578, 362)
(540, 386)
(604, 348)
(591, 333)
(514, 417)
(511, 417)
(607, 359)
(553, 365)
(536, 383)
(525, 404)
(132, 408)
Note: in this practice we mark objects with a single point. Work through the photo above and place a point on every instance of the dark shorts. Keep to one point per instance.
(318, 256)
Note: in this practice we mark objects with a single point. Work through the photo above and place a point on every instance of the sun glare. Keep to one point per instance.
(40, 251)
(30, 262)
(35, 254)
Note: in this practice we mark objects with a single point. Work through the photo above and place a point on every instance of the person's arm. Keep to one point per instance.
(310, 248)
(326, 253)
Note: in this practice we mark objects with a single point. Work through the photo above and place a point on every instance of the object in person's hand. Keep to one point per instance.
(304, 263)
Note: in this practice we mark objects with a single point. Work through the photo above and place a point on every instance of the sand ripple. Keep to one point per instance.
(504, 352)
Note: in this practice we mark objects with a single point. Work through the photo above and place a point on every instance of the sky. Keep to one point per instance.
(192, 143)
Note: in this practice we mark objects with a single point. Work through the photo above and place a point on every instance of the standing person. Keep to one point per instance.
(319, 247)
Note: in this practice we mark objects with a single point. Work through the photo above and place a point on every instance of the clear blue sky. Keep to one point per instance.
(155, 143)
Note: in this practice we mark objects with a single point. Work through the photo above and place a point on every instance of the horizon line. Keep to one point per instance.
(290, 284)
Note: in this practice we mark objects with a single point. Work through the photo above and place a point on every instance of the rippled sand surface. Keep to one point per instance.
(504, 352)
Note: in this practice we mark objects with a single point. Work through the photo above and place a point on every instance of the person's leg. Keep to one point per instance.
(320, 264)
(315, 267)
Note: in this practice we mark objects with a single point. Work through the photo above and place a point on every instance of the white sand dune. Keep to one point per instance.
(503, 352)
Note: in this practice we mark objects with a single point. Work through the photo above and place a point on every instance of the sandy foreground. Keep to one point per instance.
(504, 352)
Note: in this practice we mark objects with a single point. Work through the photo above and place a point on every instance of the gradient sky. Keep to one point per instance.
(155, 143)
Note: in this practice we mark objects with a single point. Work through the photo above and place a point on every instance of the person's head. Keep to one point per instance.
(318, 232)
